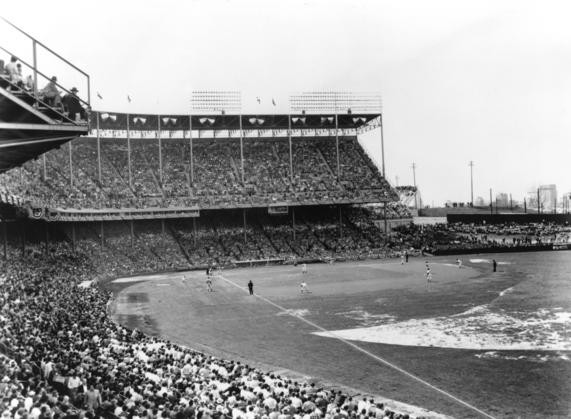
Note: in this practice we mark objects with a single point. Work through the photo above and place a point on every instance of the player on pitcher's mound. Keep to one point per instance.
(303, 288)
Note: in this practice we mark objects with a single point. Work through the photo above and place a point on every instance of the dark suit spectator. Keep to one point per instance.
(73, 105)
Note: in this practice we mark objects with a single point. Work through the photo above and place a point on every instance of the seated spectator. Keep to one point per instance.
(29, 83)
(12, 71)
(50, 94)
(73, 105)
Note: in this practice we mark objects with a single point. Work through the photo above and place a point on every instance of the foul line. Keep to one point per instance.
(354, 346)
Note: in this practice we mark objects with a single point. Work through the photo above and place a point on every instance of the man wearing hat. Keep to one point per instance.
(73, 105)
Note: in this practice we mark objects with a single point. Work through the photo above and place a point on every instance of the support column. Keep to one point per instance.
(46, 238)
(382, 146)
(340, 222)
(73, 237)
(290, 148)
(102, 234)
(241, 150)
(160, 150)
(132, 229)
(98, 151)
(337, 146)
(129, 153)
(385, 222)
(194, 231)
(163, 226)
(293, 221)
(45, 173)
(244, 217)
(70, 165)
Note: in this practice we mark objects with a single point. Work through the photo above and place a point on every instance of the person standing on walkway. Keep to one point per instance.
(251, 287)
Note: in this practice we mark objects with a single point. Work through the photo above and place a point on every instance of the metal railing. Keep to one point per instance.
(35, 65)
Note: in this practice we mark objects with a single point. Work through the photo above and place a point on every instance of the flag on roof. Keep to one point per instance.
(129, 98)
(99, 95)
(273, 102)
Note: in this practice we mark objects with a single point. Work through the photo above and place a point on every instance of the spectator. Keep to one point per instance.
(12, 70)
(73, 106)
(50, 93)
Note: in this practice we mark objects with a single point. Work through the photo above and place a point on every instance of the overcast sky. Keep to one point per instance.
(488, 81)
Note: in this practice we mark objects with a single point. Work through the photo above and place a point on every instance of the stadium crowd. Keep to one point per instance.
(464, 236)
(143, 174)
(65, 358)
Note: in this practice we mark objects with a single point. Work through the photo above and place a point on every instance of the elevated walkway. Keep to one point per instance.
(30, 123)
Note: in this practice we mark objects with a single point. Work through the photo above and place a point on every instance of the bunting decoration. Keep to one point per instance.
(327, 119)
(298, 120)
(256, 121)
(106, 116)
(206, 121)
(362, 120)
(168, 120)
(139, 120)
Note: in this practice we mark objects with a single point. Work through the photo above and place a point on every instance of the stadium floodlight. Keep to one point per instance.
(214, 101)
(335, 102)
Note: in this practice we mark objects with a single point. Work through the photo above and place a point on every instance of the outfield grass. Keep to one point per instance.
(231, 323)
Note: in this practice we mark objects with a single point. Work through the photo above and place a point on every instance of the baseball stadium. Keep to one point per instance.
(235, 265)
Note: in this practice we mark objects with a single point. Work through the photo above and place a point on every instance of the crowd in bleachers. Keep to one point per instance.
(64, 358)
(393, 210)
(148, 176)
(471, 236)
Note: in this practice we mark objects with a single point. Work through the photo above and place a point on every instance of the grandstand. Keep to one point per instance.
(225, 188)
(213, 174)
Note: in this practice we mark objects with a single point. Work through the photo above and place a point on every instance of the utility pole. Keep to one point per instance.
(491, 203)
(414, 183)
(397, 179)
(471, 164)
(538, 205)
